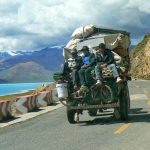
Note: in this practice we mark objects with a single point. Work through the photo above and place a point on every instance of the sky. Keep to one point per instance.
(34, 24)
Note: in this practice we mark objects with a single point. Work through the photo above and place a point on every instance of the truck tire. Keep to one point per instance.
(128, 95)
(71, 115)
(92, 112)
(124, 103)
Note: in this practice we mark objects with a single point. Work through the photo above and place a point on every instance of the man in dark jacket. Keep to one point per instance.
(86, 68)
(105, 58)
(72, 66)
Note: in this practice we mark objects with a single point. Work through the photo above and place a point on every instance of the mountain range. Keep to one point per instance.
(38, 66)
(30, 66)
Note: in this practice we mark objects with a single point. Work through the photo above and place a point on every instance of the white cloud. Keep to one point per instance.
(7, 43)
(31, 24)
(142, 5)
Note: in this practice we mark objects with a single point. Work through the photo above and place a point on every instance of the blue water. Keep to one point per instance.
(6, 89)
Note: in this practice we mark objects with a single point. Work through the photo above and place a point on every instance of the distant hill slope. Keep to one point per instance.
(26, 72)
(140, 59)
(31, 67)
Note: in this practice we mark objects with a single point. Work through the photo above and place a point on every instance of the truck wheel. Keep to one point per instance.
(128, 95)
(124, 104)
(92, 112)
(71, 115)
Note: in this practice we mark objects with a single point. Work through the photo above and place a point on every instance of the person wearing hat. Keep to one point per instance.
(86, 68)
(72, 66)
(105, 58)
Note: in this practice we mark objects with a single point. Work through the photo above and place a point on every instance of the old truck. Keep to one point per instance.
(110, 94)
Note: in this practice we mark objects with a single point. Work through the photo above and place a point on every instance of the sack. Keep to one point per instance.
(83, 31)
(119, 43)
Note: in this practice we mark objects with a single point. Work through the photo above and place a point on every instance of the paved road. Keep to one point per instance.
(52, 131)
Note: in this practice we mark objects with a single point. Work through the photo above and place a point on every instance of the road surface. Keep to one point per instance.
(52, 131)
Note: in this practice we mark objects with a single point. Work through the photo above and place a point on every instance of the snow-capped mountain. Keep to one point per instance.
(7, 54)
(33, 66)
(10, 53)
(58, 46)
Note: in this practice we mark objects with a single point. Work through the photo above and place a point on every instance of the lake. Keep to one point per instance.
(6, 89)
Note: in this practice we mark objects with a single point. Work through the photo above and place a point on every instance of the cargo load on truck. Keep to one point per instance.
(94, 97)
(116, 40)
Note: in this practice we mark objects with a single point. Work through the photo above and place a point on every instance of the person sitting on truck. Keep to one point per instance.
(72, 66)
(86, 68)
(105, 58)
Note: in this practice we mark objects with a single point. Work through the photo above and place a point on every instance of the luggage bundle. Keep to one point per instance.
(83, 32)
(91, 36)
(77, 36)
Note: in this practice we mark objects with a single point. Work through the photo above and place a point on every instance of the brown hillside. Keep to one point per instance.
(140, 59)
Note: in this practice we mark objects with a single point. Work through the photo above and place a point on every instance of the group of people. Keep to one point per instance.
(81, 67)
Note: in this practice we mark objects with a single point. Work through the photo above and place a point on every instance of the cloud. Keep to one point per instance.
(33, 24)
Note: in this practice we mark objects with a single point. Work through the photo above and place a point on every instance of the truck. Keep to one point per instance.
(110, 95)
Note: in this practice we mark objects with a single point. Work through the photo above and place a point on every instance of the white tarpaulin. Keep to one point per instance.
(82, 32)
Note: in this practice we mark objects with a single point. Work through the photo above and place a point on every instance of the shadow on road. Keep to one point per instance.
(137, 111)
(105, 118)
(139, 115)
(100, 121)
(9, 119)
(136, 115)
